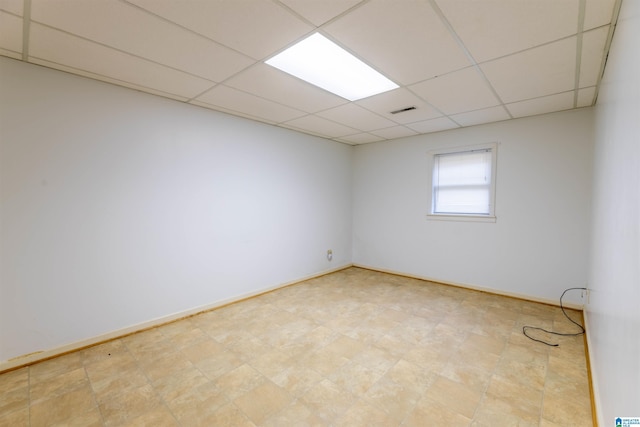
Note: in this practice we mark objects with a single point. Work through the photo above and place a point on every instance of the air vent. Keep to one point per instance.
(402, 110)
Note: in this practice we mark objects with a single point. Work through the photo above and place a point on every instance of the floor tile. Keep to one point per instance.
(227, 416)
(14, 400)
(263, 401)
(157, 417)
(60, 384)
(15, 418)
(61, 408)
(355, 347)
(432, 413)
(394, 399)
(355, 378)
(297, 379)
(125, 407)
(54, 367)
(14, 380)
(559, 409)
(180, 384)
(239, 381)
(455, 396)
(363, 414)
(198, 403)
(328, 400)
(296, 414)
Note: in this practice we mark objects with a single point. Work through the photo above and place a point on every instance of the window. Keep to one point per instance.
(463, 183)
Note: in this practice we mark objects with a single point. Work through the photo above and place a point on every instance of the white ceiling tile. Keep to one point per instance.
(487, 115)
(257, 28)
(433, 125)
(541, 71)
(593, 51)
(357, 117)
(320, 11)
(62, 48)
(118, 25)
(545, 104)
(597, 13)
(13, 6)
(457, 92)
(235, 100)
(10, 33)
(397, 99)
(319, 126)
(394, 132)
(360, 138)
(490, 29)
(407, 42)
(271, 83)
(214, 50)
(586, 96)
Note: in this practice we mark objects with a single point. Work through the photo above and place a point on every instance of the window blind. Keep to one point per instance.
(462, 183)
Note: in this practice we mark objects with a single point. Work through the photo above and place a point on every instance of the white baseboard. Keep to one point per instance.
(38, 356)
(477, 288)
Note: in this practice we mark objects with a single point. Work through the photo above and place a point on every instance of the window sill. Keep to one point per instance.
(467, 218)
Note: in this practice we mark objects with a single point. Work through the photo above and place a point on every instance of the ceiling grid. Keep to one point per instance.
(579, 32)
(26, 21)
(458, 62)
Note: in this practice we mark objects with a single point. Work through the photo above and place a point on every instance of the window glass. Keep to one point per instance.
(463, 182)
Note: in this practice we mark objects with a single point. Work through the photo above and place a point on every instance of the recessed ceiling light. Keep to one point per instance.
(323, 63)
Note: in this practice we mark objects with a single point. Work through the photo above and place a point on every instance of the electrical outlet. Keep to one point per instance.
(330, 254)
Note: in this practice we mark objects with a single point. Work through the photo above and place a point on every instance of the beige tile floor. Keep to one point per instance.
(353, 348)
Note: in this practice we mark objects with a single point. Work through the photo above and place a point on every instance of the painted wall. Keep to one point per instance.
(613, 313)
(539, 245)
(118, 207)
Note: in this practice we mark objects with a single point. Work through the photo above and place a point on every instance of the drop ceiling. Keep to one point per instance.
(458, 62)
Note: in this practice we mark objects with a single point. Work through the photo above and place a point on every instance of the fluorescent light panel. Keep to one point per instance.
(321, 62)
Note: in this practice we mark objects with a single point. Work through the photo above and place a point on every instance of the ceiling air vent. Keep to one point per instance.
(402, 110)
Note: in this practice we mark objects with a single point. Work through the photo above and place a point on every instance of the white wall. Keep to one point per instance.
(539, 244)
(119, 207)
(613, 314)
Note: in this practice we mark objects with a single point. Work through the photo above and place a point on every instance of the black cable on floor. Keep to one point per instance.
(526, 328)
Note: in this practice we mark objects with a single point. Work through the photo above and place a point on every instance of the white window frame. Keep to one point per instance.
(491, 217)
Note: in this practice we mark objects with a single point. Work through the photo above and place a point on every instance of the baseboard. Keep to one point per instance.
(593, 380)
(40, 356)
(476, 288)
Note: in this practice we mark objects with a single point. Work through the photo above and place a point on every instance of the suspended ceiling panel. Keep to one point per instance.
(256, 28)
(319, 12)
(457, 62)
(495, 28)
(407, 41)
(10, 35)
(472, 91)
(272, 84)
(544, 104)
(486, 115)
(354, 115)
(555, 65)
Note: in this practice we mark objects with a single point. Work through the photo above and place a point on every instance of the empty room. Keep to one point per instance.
(319, 213)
